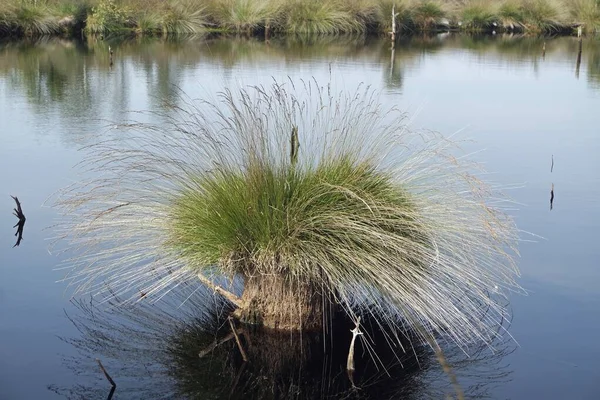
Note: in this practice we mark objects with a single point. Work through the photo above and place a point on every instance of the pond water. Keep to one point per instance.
(522, 108)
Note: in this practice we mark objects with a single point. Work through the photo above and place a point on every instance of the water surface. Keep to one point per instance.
(519, 106)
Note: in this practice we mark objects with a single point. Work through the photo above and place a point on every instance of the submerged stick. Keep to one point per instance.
(237, 339)
(18, 212)
(228, 295)
(114, 385)
(216, 344)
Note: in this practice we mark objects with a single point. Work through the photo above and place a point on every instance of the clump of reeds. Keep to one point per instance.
(245, 15)
(364, 213)
(543, 15)
(586, 12)
(511, 15)
(319, 17)
(183, 17)
(29, 19)
(426, 14)
(479, 15)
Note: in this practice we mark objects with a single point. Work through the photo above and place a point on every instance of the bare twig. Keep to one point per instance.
(215, 344)
(114, 385)
(237, 339)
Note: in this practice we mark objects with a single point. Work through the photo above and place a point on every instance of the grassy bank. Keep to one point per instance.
(154, 17)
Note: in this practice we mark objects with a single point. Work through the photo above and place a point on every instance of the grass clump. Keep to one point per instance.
(245, 15)
(183, 17)
(363, 215)
(543, 15)
(403, 18)
(586, 12)
(479, 15)
(319, 17)
(427, 14)
(29, 19)
(108, 16)
(511, 15)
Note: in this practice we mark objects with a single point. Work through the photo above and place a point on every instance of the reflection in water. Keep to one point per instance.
(73, 76)
(552, 197)
(152, 352)
(578, 63)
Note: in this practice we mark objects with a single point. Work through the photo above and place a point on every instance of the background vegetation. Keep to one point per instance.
(41, 17)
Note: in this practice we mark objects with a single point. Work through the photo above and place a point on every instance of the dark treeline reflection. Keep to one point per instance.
(151, 350)
(76, 79)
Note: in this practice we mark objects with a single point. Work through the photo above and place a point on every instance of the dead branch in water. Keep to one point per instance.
(228, 295)
(18, 212)
(217, 343)
(237, 340)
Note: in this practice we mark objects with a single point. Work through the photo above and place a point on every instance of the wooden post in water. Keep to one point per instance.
(267, 29)
(294, 145)
(393, 32)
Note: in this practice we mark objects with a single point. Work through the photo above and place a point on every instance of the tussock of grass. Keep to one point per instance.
(183, 17)
(28, 19)
(149, 23)
(245, 15)
(382, 220)
(511, 15)
(479, 15)
(319, 17)
(403, 19)
(427, 14)
(586, 12)
(543, 15)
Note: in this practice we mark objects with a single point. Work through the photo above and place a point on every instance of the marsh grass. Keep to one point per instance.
(297, 16)
(511, 15)
(183, 17)
(245, 15)
(319, 17)
(379, 219)
(403, 19)
(543, 15)
(479, 15)
(427, 14)
(586, 12)
(28, 19)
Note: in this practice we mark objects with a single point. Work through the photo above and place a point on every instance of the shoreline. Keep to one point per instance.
(267, 18)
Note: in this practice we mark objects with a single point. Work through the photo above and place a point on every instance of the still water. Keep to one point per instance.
(520, 108)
